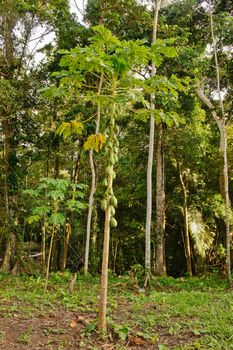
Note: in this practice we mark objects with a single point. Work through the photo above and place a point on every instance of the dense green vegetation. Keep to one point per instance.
(116, 158)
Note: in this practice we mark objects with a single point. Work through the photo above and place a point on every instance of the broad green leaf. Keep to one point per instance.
(42, 210)
(57, 219)
(56, 194)
(91, 327)
(75, 205)
(54, 91)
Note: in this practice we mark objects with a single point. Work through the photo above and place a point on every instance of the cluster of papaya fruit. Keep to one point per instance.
(112, 147)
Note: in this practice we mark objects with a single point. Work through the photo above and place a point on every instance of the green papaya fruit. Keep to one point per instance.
(113, 223)
(104, 204)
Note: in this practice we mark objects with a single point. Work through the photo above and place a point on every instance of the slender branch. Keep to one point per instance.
(216, 65)
(41, 36)
(78, 8)
(209, 104)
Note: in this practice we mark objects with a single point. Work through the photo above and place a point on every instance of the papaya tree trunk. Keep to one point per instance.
(108, 205)
(102, 324)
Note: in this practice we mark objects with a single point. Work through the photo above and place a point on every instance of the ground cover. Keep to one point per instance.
(178, 314)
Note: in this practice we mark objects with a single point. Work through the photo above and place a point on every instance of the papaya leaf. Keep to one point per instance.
(57, 219)
(75, 205)
(56, 194)
(95, 142)
(31, 192)
(33, 218)
(41, 211)
(68, 128)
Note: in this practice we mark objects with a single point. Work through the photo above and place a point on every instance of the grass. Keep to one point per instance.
(179, 314)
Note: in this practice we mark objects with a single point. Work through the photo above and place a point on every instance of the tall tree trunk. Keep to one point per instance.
(8, 124)
(102, 324)
(90, 209)
(160, 266)
(49, 259)
(221, 122)
(223, 149)
(187, 247)
(54, 254)
(93, 185)
(9, 250)
(65, 246)
(43, 244)
(150, 162)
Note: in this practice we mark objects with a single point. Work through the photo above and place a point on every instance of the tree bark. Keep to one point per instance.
(65, 247)
(8, 131)
(93, 186)
(102, 323)
(150, 162)
(221, 122)
(187, 247)
(49, 259)
(160, 266)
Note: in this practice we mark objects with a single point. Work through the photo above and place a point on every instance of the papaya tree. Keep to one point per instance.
(52, 199)
(113, 63)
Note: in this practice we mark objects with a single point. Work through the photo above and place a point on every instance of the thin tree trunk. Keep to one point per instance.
(93, 185)
(90, 209)
(186, 224)
(114, 255)
(65, 247)
(160, 266)
(102, 323)
(43, 245)
(49, 259)
(223, 148)
(227, 203)
(221, 122)
(54, 254)
(150, 162)
(8, 131)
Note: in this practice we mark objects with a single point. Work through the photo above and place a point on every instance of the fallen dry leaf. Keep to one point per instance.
(134, 340)
(73, 323)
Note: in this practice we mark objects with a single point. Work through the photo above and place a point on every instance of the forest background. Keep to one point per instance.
(76, 134)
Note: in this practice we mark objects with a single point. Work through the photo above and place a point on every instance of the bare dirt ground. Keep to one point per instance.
(64, 330)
